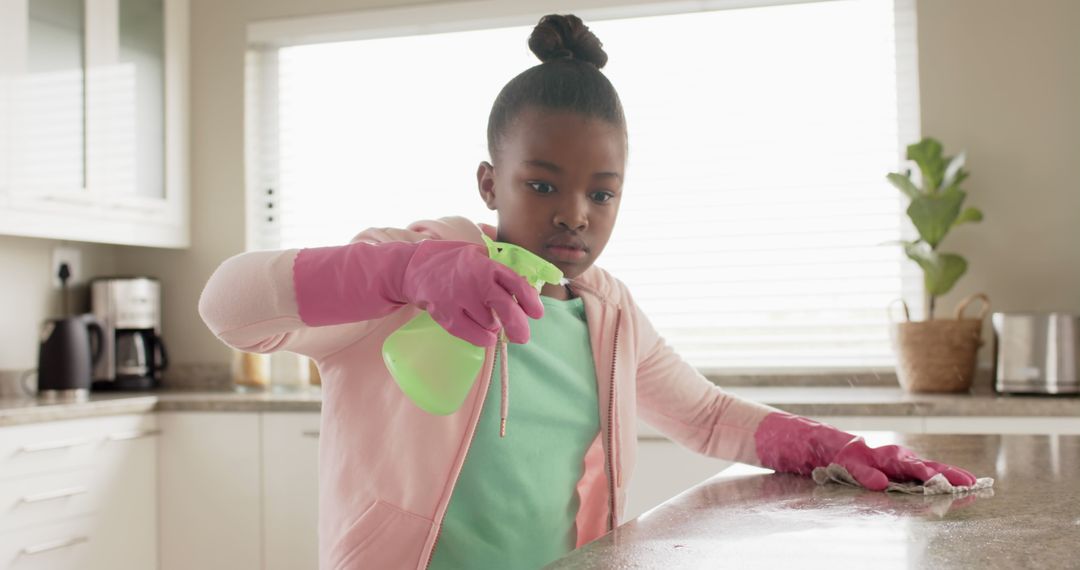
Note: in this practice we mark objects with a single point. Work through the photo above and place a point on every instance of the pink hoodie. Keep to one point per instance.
(387, 469)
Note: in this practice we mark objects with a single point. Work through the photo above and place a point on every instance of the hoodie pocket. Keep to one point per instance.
(383, 537)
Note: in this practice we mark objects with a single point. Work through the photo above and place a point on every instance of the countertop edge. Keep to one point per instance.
(77, 410)
(870, 403)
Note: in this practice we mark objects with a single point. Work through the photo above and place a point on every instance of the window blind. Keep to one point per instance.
(755, 204)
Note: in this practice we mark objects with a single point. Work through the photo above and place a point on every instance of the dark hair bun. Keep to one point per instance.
(566, 37)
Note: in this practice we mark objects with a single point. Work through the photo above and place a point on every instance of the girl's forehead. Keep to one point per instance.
(566, 133)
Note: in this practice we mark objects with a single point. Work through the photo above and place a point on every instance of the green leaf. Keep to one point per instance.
(927, 154)
(954, 173)
(904, 184)
(940, 270)
(960, 177)
(934, 214)
(969, 215)
(952, 267)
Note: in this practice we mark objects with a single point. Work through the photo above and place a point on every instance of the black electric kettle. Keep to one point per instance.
(70, 347)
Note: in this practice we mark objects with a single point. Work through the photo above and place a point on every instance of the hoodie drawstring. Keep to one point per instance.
(504, 379)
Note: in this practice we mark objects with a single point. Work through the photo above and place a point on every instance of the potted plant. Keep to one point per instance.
(936, 355)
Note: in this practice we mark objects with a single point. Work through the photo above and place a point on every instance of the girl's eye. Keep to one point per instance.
(602, 197)
(542, 187)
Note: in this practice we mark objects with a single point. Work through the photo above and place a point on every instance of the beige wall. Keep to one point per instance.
(27, 296)
(1000, 78)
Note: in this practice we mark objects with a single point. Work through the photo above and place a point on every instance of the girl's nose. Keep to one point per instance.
(571, 215)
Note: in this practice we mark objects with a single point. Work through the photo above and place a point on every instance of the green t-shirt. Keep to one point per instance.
(515, 501)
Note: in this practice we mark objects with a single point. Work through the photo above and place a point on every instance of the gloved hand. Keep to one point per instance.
(795, 444)
(454, 281)
(459, 286)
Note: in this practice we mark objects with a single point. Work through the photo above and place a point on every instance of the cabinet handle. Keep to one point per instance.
(58, 494)
(54, 545)
(652, 438)
(311, 433)
(134, 434)
(53, 445)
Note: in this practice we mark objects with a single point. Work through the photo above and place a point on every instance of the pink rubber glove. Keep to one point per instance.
(795, 444)
(454, 281)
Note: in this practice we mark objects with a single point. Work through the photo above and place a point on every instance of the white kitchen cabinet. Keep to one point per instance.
(93, 127)
(128, 525)
(290, 483)
(290, 470)
(239, 490)
(664, 469)
(79, 494)
(210, 491)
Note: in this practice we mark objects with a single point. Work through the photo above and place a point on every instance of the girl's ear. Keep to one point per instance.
(485, 180)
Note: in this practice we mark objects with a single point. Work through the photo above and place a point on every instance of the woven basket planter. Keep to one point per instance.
(938, 355)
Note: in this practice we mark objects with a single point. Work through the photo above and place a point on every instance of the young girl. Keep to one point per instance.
(402, 488)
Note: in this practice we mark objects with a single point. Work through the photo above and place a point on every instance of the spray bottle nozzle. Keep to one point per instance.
(535, 269)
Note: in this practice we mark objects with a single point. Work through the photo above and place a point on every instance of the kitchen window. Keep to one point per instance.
(755, 205)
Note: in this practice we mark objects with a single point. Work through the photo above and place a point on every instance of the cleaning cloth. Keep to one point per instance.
(937, 485)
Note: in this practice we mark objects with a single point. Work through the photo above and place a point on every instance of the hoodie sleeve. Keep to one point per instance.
(677, 400)
(250, 301)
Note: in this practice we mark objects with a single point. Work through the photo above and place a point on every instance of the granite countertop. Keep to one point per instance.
(747, 517)
(815, 401)
(16, 411)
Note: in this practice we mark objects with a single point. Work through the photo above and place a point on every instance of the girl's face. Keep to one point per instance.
(557, 186)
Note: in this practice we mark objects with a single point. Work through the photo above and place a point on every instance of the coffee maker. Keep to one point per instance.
(133, 354)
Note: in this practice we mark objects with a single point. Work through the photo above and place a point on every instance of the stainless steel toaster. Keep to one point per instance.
(1037, 353)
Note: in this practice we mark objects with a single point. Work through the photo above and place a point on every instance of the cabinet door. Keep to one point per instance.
(290, 490)
(127, 520)
(135, 84)
(664, 469)
(129, 96)
(209, 491)
(125, 98)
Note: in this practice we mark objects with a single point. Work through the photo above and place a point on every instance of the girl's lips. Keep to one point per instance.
(564, 253)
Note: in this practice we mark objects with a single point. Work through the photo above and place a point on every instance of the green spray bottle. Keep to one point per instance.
(436, 369)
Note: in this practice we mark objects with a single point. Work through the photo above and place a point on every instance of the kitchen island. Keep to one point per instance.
(746, 517)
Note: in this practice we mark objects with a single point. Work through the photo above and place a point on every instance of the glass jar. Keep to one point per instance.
(250, 371)
(314, 376)
(289, 372)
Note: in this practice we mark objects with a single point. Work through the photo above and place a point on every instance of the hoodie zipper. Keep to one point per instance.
(612, 519)
(476, 428)
(611, 423)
